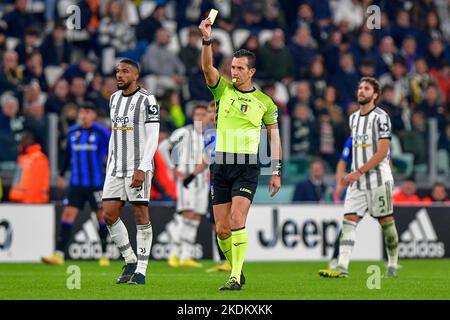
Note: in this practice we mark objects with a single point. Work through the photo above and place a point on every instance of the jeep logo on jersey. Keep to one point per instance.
(361, 137)
(120, 120)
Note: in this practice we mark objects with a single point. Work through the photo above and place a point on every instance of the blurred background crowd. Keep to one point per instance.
(310, 56)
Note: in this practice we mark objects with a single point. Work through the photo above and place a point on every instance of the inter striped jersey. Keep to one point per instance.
(366, 130)
(129, 138)
(86, 150)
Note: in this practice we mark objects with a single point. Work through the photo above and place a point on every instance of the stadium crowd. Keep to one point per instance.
(310, 56)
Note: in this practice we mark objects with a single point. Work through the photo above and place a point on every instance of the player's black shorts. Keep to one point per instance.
(230, 180)
(77, 197)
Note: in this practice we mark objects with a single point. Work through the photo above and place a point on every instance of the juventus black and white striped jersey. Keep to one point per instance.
(134, 136)
(366, 130)
(185, 149)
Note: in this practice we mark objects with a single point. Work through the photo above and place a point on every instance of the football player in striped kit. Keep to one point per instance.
(370, 183)
(135, 129)
(183, 152)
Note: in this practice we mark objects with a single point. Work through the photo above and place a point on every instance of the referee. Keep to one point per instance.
(241, 110)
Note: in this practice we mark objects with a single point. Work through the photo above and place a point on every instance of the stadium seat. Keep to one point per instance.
(403, 162)
(443, 162)
(281, 92)
(132, 13)
(183, 35)
(264, 36)
(174, 44)
(146, 8)
(36, 6)
(11, 43)
(52, 73)
(225, 40)
(239, 36)
(293, 89)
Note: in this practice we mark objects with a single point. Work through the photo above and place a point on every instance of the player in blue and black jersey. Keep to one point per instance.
(86, 154)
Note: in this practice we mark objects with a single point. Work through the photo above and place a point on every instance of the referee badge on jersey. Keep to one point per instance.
(152, 113)
(244, 107)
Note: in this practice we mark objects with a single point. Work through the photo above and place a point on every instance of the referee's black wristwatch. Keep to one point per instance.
(206, 42)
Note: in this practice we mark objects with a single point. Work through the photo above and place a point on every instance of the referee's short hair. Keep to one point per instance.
(131, 63)
(246, 53)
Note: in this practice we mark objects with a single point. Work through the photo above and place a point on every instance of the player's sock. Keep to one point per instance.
(103, 233)
(346, 243)
(239, 239)
(188, 237)
(225, 246)
(64, 237)
(144, 238)
(174, 228)
(391, 242)
(336, 246)
(221, 255)
(119, 235)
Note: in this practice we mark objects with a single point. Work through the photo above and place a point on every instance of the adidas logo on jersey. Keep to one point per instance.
(420, 239)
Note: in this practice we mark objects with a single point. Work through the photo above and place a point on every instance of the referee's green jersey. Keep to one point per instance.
(240, 115)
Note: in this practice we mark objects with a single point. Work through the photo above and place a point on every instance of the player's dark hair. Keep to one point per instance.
(246, 53)
(374, 83)
(131, 63)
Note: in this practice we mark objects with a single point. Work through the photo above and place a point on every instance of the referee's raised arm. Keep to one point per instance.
(211, 74)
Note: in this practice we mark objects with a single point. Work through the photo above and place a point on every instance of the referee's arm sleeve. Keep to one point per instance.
(151, 143)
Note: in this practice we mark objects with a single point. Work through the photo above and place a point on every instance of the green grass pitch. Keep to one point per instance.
(418, 279)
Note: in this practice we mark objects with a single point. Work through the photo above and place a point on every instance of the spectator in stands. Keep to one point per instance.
(386, 54)
(55, 48)
(28, 45)
(148, 26)
(419, 80)
(32, 93)
(269, 89)
(275, 51)
(11, 127)
(407, 193)
(18, 20)
(326, 138)
(328, 101)
(346, 79)
(444, 142)
(438, 195)
(58, 98)
(303, 131)
(85, 67)
(217, 52)
(313, 189)
(432, 107)
(349, 11)
(402, 28)
(367, 68)
(77, 91)
(431, 30)
(34, 69)
(2, 42)
(36, 121)
(442, 78)
(32, 179)
(302, 95)
(304, 18)
(317, 77)
(196, 83)
(409, 52)
(394, 111)
(101, 97)
(364, 48)
(415, 140)
(303, 49)
(435, 55)
(397, 79)
(159, 60)
(11, 75)
(114, 30)
(190, 53)
(331, 51)
(252, 44)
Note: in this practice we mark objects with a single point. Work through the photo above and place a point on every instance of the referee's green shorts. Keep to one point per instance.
(233, 178)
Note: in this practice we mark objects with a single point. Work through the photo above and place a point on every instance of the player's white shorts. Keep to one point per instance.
(116, 188)
(377, 202)
(194, 198)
